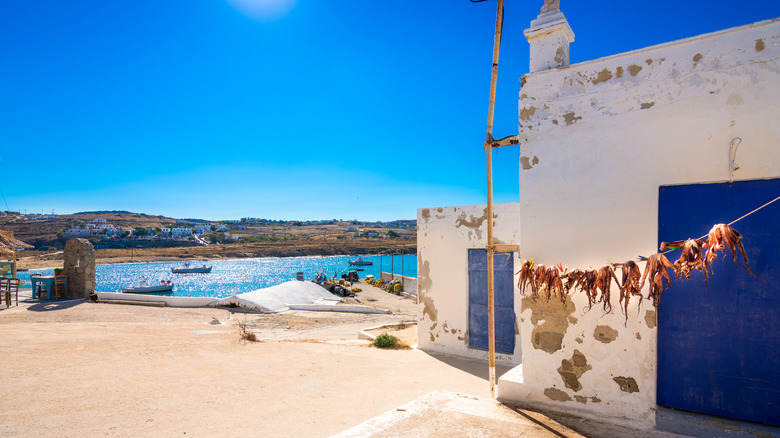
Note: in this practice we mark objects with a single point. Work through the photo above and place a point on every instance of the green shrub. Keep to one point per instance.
(385, 341)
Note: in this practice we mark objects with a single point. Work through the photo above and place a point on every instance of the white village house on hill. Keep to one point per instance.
(616, 155)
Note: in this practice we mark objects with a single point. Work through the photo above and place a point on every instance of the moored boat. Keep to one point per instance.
(143, 288)
(188, 270)
(361, 262)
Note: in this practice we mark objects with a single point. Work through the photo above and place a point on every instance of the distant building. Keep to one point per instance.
(181, 231)
(350, 229)
(76, 232)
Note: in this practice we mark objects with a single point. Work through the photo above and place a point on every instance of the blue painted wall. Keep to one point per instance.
(719, 342)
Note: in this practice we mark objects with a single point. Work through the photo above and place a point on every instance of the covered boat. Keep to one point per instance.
(142, 288)
(361, 262)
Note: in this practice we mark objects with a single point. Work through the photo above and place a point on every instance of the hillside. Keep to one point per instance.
(256, 238)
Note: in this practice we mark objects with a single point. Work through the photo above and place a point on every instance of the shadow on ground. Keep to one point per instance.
(474, 367)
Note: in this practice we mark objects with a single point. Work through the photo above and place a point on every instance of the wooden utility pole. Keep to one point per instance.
(491, 247)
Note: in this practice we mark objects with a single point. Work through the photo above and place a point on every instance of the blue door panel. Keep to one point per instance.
(719, 342)
(504, 302)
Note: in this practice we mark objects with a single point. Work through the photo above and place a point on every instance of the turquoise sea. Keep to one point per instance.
(240, 275)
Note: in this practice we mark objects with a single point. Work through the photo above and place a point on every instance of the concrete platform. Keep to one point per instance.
(447, 414)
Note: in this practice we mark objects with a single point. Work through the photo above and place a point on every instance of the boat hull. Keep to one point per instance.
(147, 289)
(191, 270)
(361, 263)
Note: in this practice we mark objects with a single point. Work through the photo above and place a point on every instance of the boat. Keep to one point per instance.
(361, 262)
(188, 270)
(143, 288)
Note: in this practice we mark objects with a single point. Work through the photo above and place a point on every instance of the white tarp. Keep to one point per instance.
(280, 297)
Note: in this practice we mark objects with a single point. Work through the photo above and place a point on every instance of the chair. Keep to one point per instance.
(5, 287)
(38, 287)
(13, 288)
(61, 286)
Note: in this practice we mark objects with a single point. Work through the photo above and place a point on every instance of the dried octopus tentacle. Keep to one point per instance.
(656, 270)
(630, 285)
(604, 282)
(722, 236)
(526, 276)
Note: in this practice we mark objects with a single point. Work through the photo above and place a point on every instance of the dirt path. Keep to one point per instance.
(87, 369)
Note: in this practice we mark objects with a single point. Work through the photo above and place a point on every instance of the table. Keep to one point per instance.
(48, 281)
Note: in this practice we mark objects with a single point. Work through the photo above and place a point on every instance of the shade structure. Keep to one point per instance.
(9, 244)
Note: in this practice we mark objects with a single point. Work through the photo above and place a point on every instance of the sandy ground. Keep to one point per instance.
(82, 369)
(90, 369)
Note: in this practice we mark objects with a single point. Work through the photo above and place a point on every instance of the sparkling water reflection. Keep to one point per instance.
(242, 275)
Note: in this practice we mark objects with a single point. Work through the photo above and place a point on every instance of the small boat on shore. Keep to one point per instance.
(143, 288)
(188, 270)
(361, 262)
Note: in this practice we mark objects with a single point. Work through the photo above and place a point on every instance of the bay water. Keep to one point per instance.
(239, 275)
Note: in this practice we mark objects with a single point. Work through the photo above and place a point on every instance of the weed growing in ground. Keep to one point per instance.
(385, 341)
(245, 332)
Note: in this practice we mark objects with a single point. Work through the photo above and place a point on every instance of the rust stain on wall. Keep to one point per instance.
(472, 222)
(556, 394)
(618, 72)
(560, 56)
(584, 400)
(528, 163)
(627, 384)
(570, 118)
(605, 334)
(638, 336)
(548, 336)
(527, 112)
(697, 57)
(760, 45)
(603, 76)
(646, 105)
(650, 318)
(648, 61)
(571, 370)
(426, 214)
(634, 69)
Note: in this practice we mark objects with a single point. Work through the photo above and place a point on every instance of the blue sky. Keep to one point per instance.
(283, 109)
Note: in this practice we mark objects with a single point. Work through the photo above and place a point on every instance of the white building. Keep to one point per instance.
(180, 231)
(616, 154)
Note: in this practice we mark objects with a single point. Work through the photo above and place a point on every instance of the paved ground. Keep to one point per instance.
(88, 369)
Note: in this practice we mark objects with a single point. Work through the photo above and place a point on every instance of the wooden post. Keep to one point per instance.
(490, 247)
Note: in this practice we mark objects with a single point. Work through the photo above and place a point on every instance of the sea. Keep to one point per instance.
(238, 275)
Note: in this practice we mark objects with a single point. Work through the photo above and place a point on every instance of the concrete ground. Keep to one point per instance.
(77, 368)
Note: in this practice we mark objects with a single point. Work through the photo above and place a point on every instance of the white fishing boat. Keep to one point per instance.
(190, 270)
(361, 262)
(143, 287)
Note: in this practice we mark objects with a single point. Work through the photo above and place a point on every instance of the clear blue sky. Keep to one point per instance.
(283, 109)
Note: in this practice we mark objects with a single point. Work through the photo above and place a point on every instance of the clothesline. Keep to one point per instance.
(641, 258)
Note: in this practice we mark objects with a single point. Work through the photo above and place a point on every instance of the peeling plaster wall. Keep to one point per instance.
(597, 140)
(444, 236)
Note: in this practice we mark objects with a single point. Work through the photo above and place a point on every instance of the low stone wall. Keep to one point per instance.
(409, 283)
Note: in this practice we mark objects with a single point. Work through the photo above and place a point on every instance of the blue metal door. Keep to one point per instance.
(719, 342)
(503, 297)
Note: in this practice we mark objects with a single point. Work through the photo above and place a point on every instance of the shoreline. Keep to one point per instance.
(299, 248)
(25, 263)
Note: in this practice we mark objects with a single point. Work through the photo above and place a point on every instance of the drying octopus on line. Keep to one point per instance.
(630, 285)
(656, 271)
(691, 259)
(720, 237)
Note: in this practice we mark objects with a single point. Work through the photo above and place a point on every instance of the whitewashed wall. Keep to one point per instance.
(444, 236)
(597, 140)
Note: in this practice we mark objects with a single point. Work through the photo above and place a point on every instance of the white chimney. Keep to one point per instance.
(549, 37)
